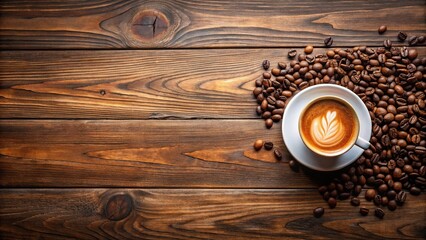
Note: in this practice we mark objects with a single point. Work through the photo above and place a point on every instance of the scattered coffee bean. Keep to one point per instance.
(269, 123)
(332, 202)
(266, 64)
(268, 145)
(328, 41)
(318, 212)
(355, 201)
(258, 144)
(421, 39)
(309, 49)
(412, 40)
(293, 165)
(379, 213)
(382, 29)
(292, 53)
(402, 36)
(364, 211)
(387, 43)
(278, 155)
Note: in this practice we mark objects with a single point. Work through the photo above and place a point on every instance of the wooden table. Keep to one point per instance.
(135, 119)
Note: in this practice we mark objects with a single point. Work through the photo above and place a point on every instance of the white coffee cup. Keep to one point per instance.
(356, 139)
(294, 142)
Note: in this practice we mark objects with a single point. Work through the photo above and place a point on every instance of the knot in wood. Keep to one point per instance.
(118, 207)
(150, 24)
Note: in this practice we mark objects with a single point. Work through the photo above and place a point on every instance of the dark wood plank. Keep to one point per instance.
(138, 84)
(199, 214)
(198, 24)
(150, 153)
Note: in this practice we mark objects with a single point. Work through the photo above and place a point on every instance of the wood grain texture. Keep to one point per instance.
(150, 153)
(199, 214)
(151, 84)
(198, 24)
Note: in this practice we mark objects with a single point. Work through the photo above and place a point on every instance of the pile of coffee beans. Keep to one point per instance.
(391, 81)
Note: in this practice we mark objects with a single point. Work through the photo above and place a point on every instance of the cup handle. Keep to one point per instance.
(362, 143)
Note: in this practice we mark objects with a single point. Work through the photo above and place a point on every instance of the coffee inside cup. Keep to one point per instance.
(329, 126)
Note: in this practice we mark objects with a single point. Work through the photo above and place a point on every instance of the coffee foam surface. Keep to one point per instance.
(327, 129)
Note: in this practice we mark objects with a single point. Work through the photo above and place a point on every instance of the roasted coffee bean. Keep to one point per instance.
(387, 43)
(332, 202)
(379, 213)
(276, 118)
(318, 212)
(322, 189)
(328, 41)
(369, 194)
(294, 166)
(258, 144)
(266, 64)
(309, 49)
(412, 40)
(412, 53)
(401, 197)
(377, 200)
(382, 29)
(292, 53)
(268, 145)
(415, 191)
(275, 71)
(392, 205)
(402, 36)
(269, 123)
(363, 211)
(355, 201)
(278, 155)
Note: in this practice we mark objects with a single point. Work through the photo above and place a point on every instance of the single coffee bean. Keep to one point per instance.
(401, 197)
(328, 41)
(276, 118)
(363, 211)
(309, 49)
(412, 53)
(421, 39)
(318, 212)
(387, 43)
(268, 145)
(292, 53)
(266, 64)
(278, 155)
(377, 200)
(369, 194)
(382, 29)
(415, 191)
(275, 71)
(391, 194)
(384, 201)
(269, 123)
(392, 205)
(355, 201)
(322, 189)
(332, 202)
(412, 40)
(379, 213)
(402, 36)
(295, 167)
(258, 144)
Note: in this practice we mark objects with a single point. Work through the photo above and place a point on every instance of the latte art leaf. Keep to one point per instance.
(327, 130)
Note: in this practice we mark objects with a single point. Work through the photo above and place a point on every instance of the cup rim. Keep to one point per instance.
(346, 149)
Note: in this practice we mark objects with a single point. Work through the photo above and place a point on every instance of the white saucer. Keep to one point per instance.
(293, 141)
